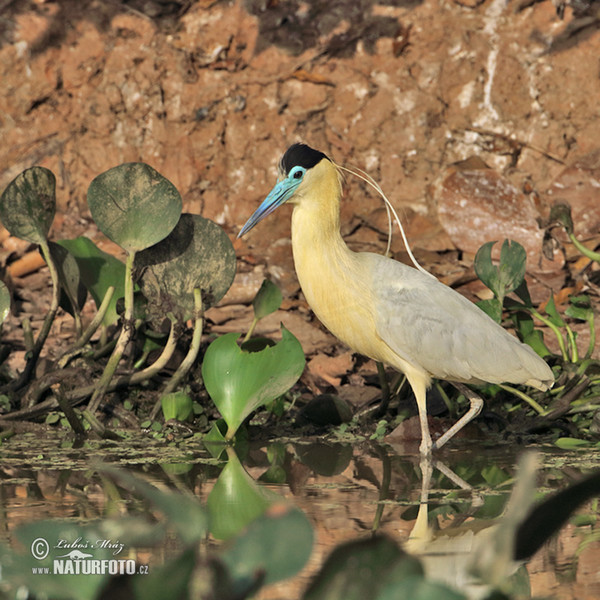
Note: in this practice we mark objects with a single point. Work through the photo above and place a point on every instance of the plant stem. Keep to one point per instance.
(159, 364)
(124, 339)
(572, 345)
(97, 320)
(230, 434)
(551, 325)
(47, 324)
(28, 340)
(537, 407)
(68, 410)
(190, 357)
(449, 404)
(251, 330)
(592, 344)
(585, 251)
(96, 426)
(89, 331)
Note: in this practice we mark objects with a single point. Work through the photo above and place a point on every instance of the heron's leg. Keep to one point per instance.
(419, 387)
(420, 535)
(474, 410)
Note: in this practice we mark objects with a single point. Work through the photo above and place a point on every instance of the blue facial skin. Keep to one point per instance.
(279, 195)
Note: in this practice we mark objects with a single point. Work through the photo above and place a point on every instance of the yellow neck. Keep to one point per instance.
(332, 277)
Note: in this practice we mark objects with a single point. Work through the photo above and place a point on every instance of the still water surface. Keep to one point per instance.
(346, 490)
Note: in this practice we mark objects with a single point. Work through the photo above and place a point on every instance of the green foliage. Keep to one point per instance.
(99, 271)
(503, 278)
(73, 292)
(4, 302)
(239, 381)
(269, 539)
(561, 214)
(176, 405)
(17, 568)
(196, 254)
(28, 204)
(267, 300)
(134, 205)
(374, 568)
(185, 265)
(185, 517)
(265, 545)
(578, 374)
(244, 499)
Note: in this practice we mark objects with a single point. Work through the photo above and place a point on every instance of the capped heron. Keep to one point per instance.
(386, 310)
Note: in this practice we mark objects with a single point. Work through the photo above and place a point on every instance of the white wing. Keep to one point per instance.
(429, 324)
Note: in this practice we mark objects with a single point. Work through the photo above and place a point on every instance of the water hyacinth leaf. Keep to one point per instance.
(492, 308)
(235, 500)
(176, 468)
(513, 264)
(171, 580)
(73, 292)
(561, 212)
(580, 308)
(134, 205)
(278, 544)
(28, 204)
(508, 275)
(176, 405)
(484, 267)
(196, 254)
(239, 382)
(184, 513)
(214, 441)
(363, 569)
(99, 271)
(4, 302)
(267, 300)
(522, 292)
(529, 334)
(39, 540)
(553, 313)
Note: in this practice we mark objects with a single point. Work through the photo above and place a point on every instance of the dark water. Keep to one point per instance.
(448, 513)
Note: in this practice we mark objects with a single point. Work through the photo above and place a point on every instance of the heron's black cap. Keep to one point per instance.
(300, 155)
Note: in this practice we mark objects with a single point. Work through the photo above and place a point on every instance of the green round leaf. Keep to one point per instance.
(73, 292)
(28, 204)
(492, 308)
(196, 254)
(176, 405)
(99, 271)
(239, 382)
(278, 543)
(363, 569)
(134, 205)
(267, 300)
(509, 274)
(235, 500)
(4, 302)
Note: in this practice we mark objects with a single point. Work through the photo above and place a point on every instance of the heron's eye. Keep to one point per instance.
(297, 173)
